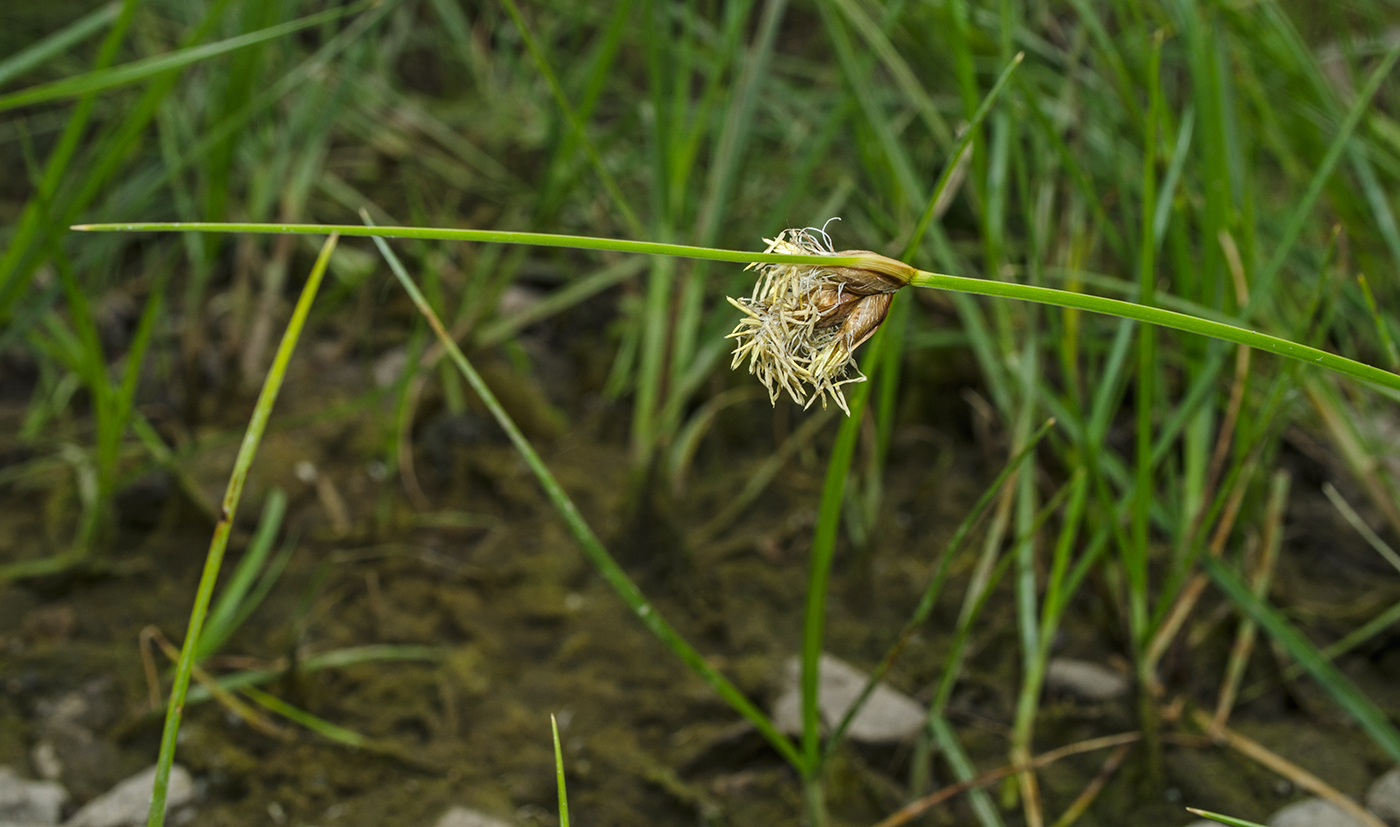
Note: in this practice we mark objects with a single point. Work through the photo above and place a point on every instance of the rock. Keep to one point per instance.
(128, 803)
(1383, 798)
(887, 715)
(46, 762)
(462, 817)
(29, 802)
(1313, 812)
(68, 730)
(1085, 680)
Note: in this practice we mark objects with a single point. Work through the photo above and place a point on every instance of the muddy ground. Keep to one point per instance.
(521, 627)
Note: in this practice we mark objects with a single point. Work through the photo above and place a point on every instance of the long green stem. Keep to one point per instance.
(251, 438)
(958, 284)
(577, 242)
(1163, 318)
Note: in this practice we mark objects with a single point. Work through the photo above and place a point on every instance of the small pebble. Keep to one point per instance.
(463, 817)
(1313, 812)
(1383, 798)
(128, 803)
(27, 802)
(1085, 680)
(887, 716)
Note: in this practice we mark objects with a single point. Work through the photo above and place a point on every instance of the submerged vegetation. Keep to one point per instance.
(1102, 458)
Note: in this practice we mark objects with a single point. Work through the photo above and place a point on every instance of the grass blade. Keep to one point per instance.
(139, 70)
(583, 534)
(1342, 690)
(271, 386)
(1233, 822)
(559, 773)
(58, 42)
(220, 624)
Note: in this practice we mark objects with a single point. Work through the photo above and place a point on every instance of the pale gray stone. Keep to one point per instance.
(1313, 812)
(46, 761)
(1085, 679)
(463, 817)
(23, 801)
(887, 716)
(128, 803)
(1383, 798)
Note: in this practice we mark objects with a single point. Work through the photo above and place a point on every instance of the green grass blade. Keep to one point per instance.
(904, 77)
(577, 242)
(1339, 686)
(246, 452)
(583, 534)
(219, 625)
(1232, 821)
(1262, 287)
(542, 63)
(929, 598)
(1166, 318)
(969, 133)
(501, 329)
(559, 773)
(38, 211)
(136, 71)
(1380, 320)
(316, 724)
(58, 42)
(334, 659)
(823, 551)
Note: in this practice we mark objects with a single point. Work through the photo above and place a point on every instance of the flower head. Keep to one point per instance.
(804, 321)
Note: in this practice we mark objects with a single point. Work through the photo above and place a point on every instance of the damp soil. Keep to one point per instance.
(478, 568)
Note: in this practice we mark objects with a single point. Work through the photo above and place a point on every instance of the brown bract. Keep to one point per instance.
(803, 322)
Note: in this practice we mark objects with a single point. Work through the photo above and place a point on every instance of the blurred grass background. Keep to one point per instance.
(1198, 155)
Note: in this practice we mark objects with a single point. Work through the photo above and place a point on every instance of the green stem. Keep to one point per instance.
(1163, 318)
(958, 284)
(185, 666)
(577, 242)
(814, 799)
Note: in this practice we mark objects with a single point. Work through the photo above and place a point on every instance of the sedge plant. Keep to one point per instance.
(1173, 509)
(825, 267)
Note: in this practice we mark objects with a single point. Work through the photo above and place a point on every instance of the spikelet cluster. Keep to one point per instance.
(803, 322)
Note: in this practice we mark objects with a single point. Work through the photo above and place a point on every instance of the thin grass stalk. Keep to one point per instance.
(1037, 660)
(559, 774)
(929, 598)
(1388, 382)
(1263, 573)
(583, 534)
(205, 592)
(619, 200)
(58, 42)
(1135, 555)
(833, 496)
(32, 220)
(818, 578)
(1223, 819)
(1338, 685)
(136, 71)
(1262, 289)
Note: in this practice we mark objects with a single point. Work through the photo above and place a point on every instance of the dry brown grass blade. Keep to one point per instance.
(916, 808)
(1091, 792)
(250, 716)
(1294, 773)
(1186, 601)
(1259, 582)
